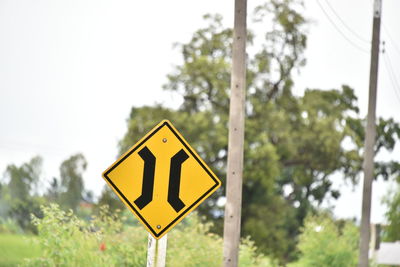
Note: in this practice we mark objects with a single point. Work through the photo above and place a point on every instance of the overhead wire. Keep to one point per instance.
(392, 76)
(388, 65)
(386, 30)
(391, 70)
(18, 146)
(340, 31)
(359, 37)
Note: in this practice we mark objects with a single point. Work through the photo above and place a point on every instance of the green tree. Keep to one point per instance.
(293, 144)
(54, 190)
(72, 186)
(22, 180)
(110, 199)
(3, 201)
(19, 196)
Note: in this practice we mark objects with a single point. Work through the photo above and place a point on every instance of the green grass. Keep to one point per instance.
(15, 248)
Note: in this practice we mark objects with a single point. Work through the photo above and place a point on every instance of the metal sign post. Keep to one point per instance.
(157, 251)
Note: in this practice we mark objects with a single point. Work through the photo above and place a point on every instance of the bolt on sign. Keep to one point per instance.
(161, 179)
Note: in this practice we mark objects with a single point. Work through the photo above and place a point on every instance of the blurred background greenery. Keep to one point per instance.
(295, 146)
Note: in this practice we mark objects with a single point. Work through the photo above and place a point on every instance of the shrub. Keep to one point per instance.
(69, 241)
(326, 243)
(107, 240)
(9, 226)
(191, 244)
(391, 232)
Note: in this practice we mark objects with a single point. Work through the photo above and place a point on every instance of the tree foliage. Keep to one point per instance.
(72, 186)
(18, 196)
(293, 144)
(109, 198)
(22, 180)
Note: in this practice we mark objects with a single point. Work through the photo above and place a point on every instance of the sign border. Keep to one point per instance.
(189, 149)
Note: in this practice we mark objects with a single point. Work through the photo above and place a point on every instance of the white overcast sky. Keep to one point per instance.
(71, 70)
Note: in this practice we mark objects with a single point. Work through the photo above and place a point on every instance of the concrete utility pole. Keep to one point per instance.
(370, 139)
(236, 138)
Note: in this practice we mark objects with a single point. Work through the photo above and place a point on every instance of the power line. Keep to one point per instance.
(392, 71)
(391, 39)
(392, 77)
(359, 37)
(338, 29)
(21, 146)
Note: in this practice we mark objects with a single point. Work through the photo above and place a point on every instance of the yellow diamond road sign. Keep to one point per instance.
(161, 179)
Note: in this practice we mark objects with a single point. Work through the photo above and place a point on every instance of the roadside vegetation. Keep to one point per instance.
(297, 147)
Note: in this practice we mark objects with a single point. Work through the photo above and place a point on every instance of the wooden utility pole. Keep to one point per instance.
(370, 139)
(236, 138)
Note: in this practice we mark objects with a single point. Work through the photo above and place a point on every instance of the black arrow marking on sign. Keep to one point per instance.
(175, 180)
(148, 178)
